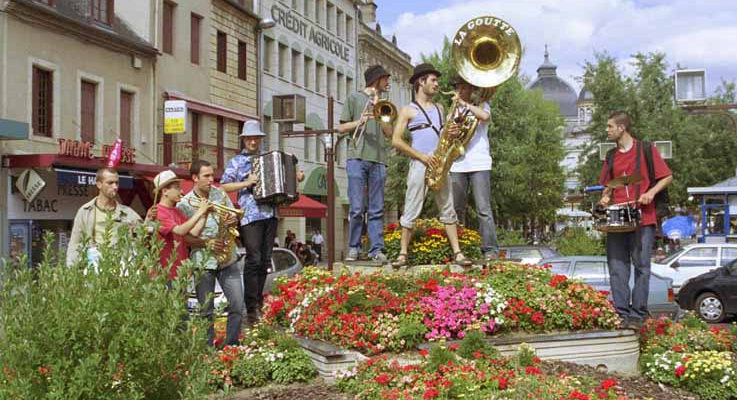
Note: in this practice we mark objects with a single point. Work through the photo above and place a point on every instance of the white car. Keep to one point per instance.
(693, 260)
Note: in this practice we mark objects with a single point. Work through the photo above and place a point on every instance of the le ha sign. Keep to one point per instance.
(85, 150)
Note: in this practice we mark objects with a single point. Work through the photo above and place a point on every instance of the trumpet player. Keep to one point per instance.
(366, 165)
(227, 272)
(173, 224)
(474, 169)
(424, 120)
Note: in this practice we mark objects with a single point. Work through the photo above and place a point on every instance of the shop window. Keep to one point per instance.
(43, 95)
(102, 11)
(222, 52)
(167, 24)
(194, 38)
(88, 111)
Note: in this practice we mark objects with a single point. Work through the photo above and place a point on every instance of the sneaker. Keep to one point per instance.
(379, 256)
(490, 256)
(352, 255)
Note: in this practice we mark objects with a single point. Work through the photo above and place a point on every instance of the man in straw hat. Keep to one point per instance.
(366, 165)
(424, 120)
(173, 224)
(259, 222)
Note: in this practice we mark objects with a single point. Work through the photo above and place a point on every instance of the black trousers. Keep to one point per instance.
(258, 238)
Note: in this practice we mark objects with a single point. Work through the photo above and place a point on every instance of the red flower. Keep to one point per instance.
(576, 395)
(556, 280)
(431, 285)
(538, 318)
(43, 370)
(677, 349)
(477, 354)
(502, 383)
(680, 370)
(536, 360)
(391, 226)
(531, 370)
(607, 384)
(382, 379)
(424, 352)
(430, 394)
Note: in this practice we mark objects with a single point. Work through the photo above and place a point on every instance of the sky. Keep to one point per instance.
(692, 34)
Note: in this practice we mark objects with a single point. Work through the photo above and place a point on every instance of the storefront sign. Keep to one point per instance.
(86, 150)
(309, 31)
(58, 202)
(66, 177)
(175, 116)
(30, 184)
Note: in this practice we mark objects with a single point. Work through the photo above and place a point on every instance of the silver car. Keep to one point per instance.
(693, 260)
(594, 270)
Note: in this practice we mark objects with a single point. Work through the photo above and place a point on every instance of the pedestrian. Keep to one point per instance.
(317, 241)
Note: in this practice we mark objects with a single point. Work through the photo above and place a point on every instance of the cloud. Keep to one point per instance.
(693, 34)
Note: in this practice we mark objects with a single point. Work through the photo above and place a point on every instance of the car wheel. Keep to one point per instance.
(710, 307)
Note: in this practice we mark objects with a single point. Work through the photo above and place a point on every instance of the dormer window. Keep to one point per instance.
(102, 11)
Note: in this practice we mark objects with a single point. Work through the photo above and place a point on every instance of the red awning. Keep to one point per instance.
(304, 207)
(55, 160)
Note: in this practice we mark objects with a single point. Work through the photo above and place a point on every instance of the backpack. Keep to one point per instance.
(661, 198)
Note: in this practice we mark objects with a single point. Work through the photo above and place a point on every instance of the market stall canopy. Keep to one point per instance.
(304, 207)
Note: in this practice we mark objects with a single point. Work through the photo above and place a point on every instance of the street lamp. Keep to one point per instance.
(691, 95)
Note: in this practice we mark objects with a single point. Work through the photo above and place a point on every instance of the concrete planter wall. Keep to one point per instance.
(617, 351)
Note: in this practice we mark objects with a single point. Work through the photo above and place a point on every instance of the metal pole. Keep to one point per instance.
(329, 153)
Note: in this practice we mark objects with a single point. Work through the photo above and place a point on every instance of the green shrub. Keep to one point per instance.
(293, 366)
(578, 242)
(70, 333)
(439, 355)
(475, 341)
(510, 238)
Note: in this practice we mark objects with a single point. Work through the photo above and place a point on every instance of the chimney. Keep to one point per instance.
(368, 12)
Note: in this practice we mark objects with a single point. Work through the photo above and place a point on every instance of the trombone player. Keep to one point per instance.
(366, 165)
(474, 169)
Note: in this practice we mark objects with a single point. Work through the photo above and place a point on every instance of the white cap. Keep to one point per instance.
(164, 178)
(251, 128)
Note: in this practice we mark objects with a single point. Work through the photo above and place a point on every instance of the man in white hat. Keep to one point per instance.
(173, 224)
(259, 222)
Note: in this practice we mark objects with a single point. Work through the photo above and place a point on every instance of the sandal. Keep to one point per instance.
(461, 260)
(400, 261)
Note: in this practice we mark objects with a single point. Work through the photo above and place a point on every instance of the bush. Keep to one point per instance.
(578, 242)
(510, 238)
(68, 332)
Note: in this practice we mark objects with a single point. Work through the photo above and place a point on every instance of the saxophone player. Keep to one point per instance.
(228, 274)
(474, 169)
(424, 120)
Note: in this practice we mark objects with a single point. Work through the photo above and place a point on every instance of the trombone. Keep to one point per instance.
(383, 111)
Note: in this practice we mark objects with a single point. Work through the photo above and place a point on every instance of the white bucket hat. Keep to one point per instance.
(251, 128)
(164, 178)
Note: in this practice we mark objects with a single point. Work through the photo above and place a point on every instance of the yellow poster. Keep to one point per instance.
(175, 116)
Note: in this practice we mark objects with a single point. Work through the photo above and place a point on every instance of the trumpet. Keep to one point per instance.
(220, 209)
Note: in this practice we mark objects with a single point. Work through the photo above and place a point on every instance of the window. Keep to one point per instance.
(102, 11)
(318, 11)
(269, 54)
(559, 267)
(590, 270)
(296, 56)
(282, 260)
(699, 257)
(88, 99)
(348, 28)
(340, 24)
(319, 72)
(283, 54)
(222, 52)
(728, 255)
(43, 102)
(307, 76)
(306, 145)
(242, 60)
(341, 87)
(330, 17)
(194, 39)
(167, 34)
(348, 87)
(330, 82)
(126, 116)
(308, 8)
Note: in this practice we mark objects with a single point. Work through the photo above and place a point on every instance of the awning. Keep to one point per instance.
(88, 178)
(316, 183)
(209, 108)
(304, 207)
(55, 160)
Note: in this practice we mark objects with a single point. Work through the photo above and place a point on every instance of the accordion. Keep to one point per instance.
(276, 175)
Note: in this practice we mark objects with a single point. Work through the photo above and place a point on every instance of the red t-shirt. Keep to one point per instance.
(625, 164)
(169, 217)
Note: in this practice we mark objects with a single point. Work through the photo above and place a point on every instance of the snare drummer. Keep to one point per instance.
(259, 222)
(625, 248)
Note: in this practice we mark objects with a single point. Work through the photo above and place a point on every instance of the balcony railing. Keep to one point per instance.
(184, 153)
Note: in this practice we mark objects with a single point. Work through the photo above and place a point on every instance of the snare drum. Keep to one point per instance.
(617, 218)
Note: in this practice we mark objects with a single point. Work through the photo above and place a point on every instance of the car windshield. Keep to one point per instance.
(671, 257)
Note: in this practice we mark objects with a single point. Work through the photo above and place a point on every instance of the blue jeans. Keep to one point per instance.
(623, 251)
(480, 182)
(360, 174)
(231, 282)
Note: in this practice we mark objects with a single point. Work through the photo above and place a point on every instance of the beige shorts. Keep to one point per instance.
(415, 197)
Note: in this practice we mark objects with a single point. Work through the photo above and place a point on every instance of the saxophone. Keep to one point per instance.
(486, 52)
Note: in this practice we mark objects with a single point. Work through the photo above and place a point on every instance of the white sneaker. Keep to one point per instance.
(379, 256)
(352, 255)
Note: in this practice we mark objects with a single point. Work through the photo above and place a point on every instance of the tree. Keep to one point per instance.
(702, 145)
(526, 141)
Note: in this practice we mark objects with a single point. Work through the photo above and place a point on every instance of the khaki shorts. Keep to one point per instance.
(415, 197)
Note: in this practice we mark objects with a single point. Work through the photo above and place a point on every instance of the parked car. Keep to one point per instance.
(713, 295)
(594, 270)
(283, 263)
(693, 260)
(527, 254)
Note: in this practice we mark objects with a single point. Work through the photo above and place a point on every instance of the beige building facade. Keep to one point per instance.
(80, 76)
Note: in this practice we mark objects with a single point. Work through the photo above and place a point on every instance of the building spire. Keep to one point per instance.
(546, 68)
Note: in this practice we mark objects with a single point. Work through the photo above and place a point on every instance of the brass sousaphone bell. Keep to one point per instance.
(486, 52)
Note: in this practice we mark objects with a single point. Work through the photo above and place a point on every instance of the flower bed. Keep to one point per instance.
(395, 312)
(691, 355)
(430, 243)
(472, 370)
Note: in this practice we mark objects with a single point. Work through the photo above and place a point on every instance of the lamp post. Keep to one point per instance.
(327, 136)
(691, 95)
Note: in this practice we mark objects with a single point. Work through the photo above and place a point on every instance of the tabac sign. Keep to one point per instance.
(30, 184)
